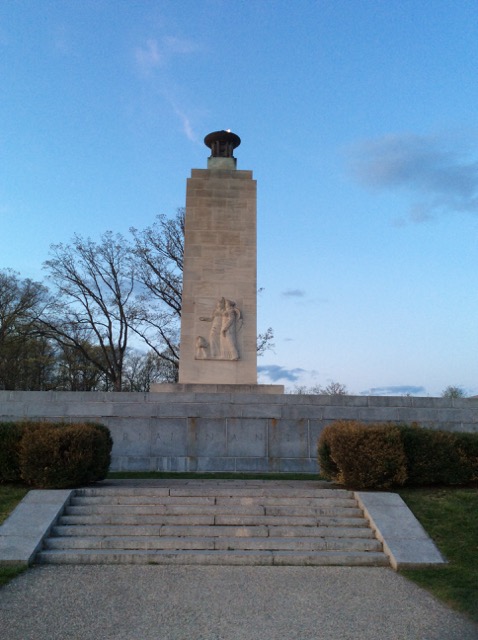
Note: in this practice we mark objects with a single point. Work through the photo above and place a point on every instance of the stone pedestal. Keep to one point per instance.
(218, 323)
(218, 388)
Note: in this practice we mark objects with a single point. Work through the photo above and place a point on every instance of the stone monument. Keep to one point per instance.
(219, 303)
(218, 321)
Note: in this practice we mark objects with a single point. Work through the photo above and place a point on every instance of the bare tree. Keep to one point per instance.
(159, 254)
(332, 389)
(453, 392)
(26, 357)
(335, 389)
(75, 372)
(93, 306)
(264, 341)
(144, 369)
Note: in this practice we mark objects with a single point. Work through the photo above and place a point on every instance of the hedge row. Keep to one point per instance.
(380, 456)
(54, 455)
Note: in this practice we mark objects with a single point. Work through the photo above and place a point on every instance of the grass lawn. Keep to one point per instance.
(8, 573)
(10, 496)
(450, 517)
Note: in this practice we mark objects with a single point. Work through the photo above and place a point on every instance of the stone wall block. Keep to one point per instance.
(260, 411)
(116, 463)
(434, 403)
(428, 415)
(130, 409)
(315, 429)
(130, 437)
(169, 436)
(378, 414)
(161, 463)
(469, 427)
(129, 397)
(216, 464)
(247, 437)
(254, 465)
(183, 464)
(47, 410)
(389, 401)
(340, 413)
(299, 465)
(302, 411)
(198, 410)
(258, 398)
(11, 410)
(206, 437)
(139, 463)
(288, 438)
(347, 401)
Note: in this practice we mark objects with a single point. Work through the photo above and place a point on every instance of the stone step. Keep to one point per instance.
(208, 557)
(201, 530)
(167, 510)
(222, 543)
(136, 501)
(213, 523)
(157, 530)
(221, 490)
(115, 499)
(264, 508)
(209, 519)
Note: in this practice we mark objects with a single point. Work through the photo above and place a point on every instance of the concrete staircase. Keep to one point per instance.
(213, 522)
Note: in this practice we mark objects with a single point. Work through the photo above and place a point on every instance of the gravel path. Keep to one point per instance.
(222, 603)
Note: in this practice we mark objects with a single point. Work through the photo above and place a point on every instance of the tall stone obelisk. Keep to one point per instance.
(219, 305)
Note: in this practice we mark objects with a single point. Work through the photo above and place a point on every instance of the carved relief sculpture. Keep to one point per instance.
(226, 321)
(230, 325)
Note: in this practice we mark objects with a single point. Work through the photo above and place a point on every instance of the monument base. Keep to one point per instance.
(217, 388)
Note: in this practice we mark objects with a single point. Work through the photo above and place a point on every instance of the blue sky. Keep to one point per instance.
(358, 119)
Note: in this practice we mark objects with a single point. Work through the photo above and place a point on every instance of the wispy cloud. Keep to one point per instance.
(148, 57)
(441, 171)
(186, 124)
(294, 293)
(153, 60)
(275, 372)
(403, 390)
(172, 44)
(154, 53)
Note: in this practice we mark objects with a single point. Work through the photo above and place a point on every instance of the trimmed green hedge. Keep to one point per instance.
(54, 455)
(10, 437)
(380, 456)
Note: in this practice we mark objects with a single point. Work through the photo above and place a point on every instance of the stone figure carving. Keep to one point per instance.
(226, 321)
(201, 348)
(215, 331)
(230, 325)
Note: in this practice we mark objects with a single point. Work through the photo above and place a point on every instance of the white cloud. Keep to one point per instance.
(403, 390)
(294, 293)
(276, 372)
(441, 171)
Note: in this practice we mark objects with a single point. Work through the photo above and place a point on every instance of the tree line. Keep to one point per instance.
(109, 318)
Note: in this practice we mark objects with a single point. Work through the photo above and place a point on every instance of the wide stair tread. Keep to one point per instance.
(204, 524)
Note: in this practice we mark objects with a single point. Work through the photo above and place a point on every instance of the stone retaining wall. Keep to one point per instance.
(227, 431)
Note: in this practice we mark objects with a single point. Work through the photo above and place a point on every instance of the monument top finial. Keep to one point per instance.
(222, 143)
